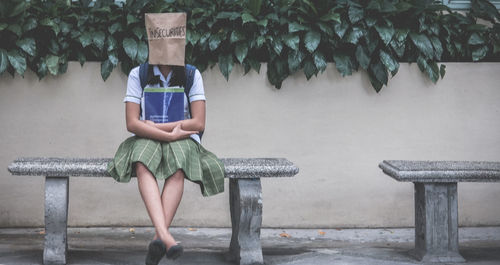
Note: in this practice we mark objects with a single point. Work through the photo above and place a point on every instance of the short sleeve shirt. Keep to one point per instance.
(135, 91)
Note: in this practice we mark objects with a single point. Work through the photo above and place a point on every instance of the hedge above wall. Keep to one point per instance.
(288, 35)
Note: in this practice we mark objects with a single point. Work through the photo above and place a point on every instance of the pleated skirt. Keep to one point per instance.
(163, 159)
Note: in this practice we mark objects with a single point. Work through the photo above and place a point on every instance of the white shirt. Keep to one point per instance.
(135, 93)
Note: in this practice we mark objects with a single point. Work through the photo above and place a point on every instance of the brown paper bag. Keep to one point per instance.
(166, 38)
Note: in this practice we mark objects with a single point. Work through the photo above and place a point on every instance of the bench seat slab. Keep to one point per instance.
(245, 199)
(56, 220)
(436, 222)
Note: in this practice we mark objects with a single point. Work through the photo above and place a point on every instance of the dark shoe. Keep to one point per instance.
(174, 252)
(156, 250)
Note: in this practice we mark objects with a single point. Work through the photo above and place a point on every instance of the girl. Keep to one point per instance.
(169, 151)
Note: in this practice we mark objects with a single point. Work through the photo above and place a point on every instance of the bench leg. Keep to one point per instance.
(56, 220)
(245, 199)
(436, 222)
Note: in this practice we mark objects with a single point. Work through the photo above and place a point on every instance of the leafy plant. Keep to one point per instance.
(288, 35)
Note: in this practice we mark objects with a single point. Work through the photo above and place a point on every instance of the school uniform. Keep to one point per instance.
(164, 158)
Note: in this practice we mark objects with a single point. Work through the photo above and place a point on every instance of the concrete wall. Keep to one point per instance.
(335, 129)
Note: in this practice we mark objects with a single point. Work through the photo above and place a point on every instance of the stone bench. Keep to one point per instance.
(245, 199)
(436, 211)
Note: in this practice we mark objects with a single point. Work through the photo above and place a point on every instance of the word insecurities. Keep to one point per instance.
(162, 33)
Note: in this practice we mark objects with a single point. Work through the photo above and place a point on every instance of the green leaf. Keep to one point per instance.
(309, 68)
(475, 39)
(372, 41)
(442, 70)
(398, 47)
(138, 31)
(28, 45)
(277, 46)
(41, 71)
(17, 61)
(431, 69)
(52, 62)
(246, 17)
(438, 47)
(319, 60)
(98, 39)
(423, 44)
(142, 52)
(81, 57)
(192, 37)
(13, 8)
(295, 27)
(371, 21)
(254, 6)
(294, 60)
(106, 69)
(260, 41)
(112, 44)
(292, 41)
(277, 71)
(113, 58)
(344, 64)
(4, 61)
(401, 34)
(311, 6)
(375, 83)
(379, 72)
(385, 33)
(214, 41)
(131, 19)
(389, 62)
(340, 29)
(65, 27)
(53, 46)
(115, 27)
(241, 51)
(3, 26)
(228, 15)
(226, 64)
(85, 39)
(354, 35)
(355, 14)
(312, 40)
(254, 64)
(262, 22)
(50, 23)
(130, 47)
(331, 16)
(479, 53)
(16, 29)
(324, 27)
(362, 56)
(236, 35)
(204, 38)
(29, 24)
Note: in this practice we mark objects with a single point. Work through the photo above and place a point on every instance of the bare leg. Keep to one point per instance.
(150, 194)
(171, 198)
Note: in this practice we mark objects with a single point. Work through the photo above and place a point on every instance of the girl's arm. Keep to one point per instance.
(196, 123)
(142, 129)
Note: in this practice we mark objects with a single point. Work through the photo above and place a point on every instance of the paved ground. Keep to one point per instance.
(127, 246)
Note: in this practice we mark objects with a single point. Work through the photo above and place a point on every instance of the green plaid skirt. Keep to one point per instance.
(164, 158)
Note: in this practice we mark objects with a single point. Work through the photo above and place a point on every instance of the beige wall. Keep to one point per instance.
(335, 129)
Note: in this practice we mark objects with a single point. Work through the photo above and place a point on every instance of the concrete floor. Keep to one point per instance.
(126, 246)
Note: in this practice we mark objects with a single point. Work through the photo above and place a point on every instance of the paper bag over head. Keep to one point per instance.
(166, 38)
